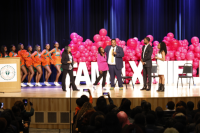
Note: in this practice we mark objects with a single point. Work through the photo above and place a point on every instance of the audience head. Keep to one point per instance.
(16, 110)
(20, 104)
(142, 103)
(99, 121)
(183, 104)
(159, 112)
(7, 116)
(150, 119)
(111, 120)
(198, 105)
(101, 103)
(79, 102)
(170, 130)
(179, 127)
(135, 111)
(190, 105)
(147, 107)
(170, 122)
(123, 118)
(125, 105)
(139, 119)
(92, 118)
(181, 109)
(170, 105)
(196, 117)
(3, 124)
(84, 98)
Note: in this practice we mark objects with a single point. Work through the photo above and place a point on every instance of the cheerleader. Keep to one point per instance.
(29, 65)
(21, 53)
(36, 56)
(12, 51)
(56, 61)
(4, 51)
(46, 62)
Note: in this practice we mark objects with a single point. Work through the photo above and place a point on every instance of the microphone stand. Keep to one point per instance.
(70, 107)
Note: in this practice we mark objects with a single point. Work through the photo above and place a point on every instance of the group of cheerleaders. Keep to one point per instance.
(37, 59)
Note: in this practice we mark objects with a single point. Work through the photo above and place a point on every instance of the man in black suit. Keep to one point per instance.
(67, 66)
(147, 63)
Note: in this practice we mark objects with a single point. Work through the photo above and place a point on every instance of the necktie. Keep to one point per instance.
(112, 58)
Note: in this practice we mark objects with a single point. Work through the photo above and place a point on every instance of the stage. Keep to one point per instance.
(51, 104)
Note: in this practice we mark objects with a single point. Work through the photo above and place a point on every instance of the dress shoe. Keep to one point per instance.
(76, 90)
(148, 89)
(64, 90)
(144, 88)
(162, 88)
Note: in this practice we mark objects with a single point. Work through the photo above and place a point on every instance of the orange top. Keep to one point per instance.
(0, 55)
(78, 108)
(56, 56)
(12, 54)
(36, 58)
(20, 54)
(46, 58)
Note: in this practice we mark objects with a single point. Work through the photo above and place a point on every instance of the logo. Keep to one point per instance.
(7, 72)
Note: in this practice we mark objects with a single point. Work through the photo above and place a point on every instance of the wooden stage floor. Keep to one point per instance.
(56, 92)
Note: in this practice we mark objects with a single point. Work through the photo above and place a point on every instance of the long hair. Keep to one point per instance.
(86, 106)
(28, 48)
(11, 46)
(99, 50)
(163, 48)
(19, 46)
(36, 47)
(2, 50)
(66, 50)
(54, 43)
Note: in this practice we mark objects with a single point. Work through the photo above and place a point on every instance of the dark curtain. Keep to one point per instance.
(43, 21)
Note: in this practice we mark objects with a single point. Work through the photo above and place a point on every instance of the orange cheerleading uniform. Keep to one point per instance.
(46, 58)
(22, 54)
(36, 58)
(12, 54)
(0, 55)
(29, 61)
(56, 57)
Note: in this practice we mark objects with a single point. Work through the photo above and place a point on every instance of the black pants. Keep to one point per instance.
(104, 73)
(65, 71)
(147, 71)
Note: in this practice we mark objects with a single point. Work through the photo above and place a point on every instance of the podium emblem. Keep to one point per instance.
(7, 72)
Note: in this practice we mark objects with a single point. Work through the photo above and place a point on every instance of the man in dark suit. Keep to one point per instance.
(147, 63)
(115, 63)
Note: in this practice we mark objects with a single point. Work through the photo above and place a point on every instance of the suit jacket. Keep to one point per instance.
(118, 56)
(64, 60)
(147, 56)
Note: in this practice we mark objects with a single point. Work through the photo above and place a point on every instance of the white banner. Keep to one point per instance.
(8, 72)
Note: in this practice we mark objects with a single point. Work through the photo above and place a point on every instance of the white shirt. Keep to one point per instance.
(145, 49)
(110, 56)
(70, 58)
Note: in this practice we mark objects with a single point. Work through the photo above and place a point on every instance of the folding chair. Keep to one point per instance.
(187, 69)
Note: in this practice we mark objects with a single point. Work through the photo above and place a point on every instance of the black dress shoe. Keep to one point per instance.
(144, 88)
(148, 89)
(64, 90)
(76, 90)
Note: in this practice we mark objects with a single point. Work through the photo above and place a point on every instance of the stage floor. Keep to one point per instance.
(56, 92)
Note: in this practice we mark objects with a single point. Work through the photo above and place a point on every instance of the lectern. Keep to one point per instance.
(10, 77)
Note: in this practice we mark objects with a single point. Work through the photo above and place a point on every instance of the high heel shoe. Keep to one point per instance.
(159, 87)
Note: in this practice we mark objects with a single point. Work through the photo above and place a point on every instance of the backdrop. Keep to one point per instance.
(43, 21)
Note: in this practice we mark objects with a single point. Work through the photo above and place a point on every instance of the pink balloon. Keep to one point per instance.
(103, 38)
(155, 43)
(167, 38)
(123, 42)
(75, 60)
(103, 32)
(94, 58)
(133, 58)
(99, 44)
(190, 56)
(80, 60)
(86, 54)
(75, 40)
(127, 65)
(97, 38)
(73, 35)
(175, 44)
(71, 42)
(142, 42)
(79, 43)
(195, 40)
(151, 37)
(81, 48)
(178, 58)
(191, 47)
(131, 74)
(73, 47)
(89, 58)
(132, 43)
(194, 72)
(197, 49)
(83, 59)
(167, 58)
(77, 55)
(170, 35)
(93, 48)
(195, 65)
(129, 69)
(80, 38)
(117, 40)
(171, 54)
(182, 55)
(135, 38)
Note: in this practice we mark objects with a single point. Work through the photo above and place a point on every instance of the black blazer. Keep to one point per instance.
(147, 55)
(64, 60)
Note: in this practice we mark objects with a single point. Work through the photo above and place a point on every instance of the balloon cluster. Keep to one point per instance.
(176, 50)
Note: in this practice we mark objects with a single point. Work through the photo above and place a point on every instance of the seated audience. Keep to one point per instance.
(125, 106)
(189, 111)
(170, 130)
(139, 120)
(160, 121)
(134, 112)
(112, 124)
(3, 125)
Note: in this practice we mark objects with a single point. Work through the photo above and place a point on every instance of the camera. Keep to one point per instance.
(1, 105)
(105, 93)
(25, 101)
(85, 90)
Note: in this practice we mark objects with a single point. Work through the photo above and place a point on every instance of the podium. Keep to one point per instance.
(10, 74)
